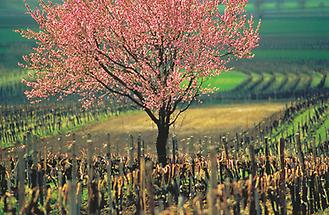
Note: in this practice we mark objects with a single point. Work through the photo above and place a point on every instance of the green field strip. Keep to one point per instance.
(321, 132)
(296, 83)
(289, 6)
(266, 88)
(326, 83)
(255, 77)
(284, 83)
(308, 84)
(291, 81)
(11, 78)
(297, 25)
(278, 82)
(292, 54)
(253, 88)
(226, 81)
(292, 5)
(267, 79)
(255, 84)
(291, 127)
(300, 119)
(8, 35)
(304, 81)
(316, 79)
(247, 80)
(316, 4)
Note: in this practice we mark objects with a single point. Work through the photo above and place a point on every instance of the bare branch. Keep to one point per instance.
(183, 110)
(181, 98)
(147, 110)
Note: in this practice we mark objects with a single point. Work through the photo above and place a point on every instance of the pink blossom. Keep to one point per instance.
(154, 52)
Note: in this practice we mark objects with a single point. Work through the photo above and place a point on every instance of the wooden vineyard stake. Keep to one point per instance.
(301, 159)
(45, 159)
(139, 150)
(92, 188)
(141, 171)
(252, 207)
(109, 173)
(120, 196)
(73, 183)
(21, 181)
(282, 184)
(174, 149)
(267, 158)
(79, 196)
(142, 193)
(192, 159)
(131, 151)
(28, 156)
(3, 180)
(237, 198)
(205, 146)
(314, 151)
(226, 148)
(117, 149)
(300, 153)
(236, 145)
(211, 197)
(143, 148)
(149, 187)
(35, 150)
(60, 192)
(316, 181)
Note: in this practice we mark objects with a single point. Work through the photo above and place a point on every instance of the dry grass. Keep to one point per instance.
(197, 122)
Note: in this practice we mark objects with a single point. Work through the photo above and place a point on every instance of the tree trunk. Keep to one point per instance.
(161, 144)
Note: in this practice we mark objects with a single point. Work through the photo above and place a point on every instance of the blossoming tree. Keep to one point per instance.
(156, 53)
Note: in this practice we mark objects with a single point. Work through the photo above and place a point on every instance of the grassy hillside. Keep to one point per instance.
(227, 81)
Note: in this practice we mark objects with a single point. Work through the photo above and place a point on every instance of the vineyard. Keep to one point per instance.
(47, 120)
(233, 85)
(280, 166)
(164, 107)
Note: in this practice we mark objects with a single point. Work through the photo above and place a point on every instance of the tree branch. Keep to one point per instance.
(181, 98)
(183, 110)
(147, 110)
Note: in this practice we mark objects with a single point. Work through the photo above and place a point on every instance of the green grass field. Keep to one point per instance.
(8, 35)
(316, 79)
(296, 26)
(290, 5)
(304, 81)
(267, 77)
(227, 81)
(326, 84)
(294, 54)
(11, 78)
(290, 127)
(279, 79)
